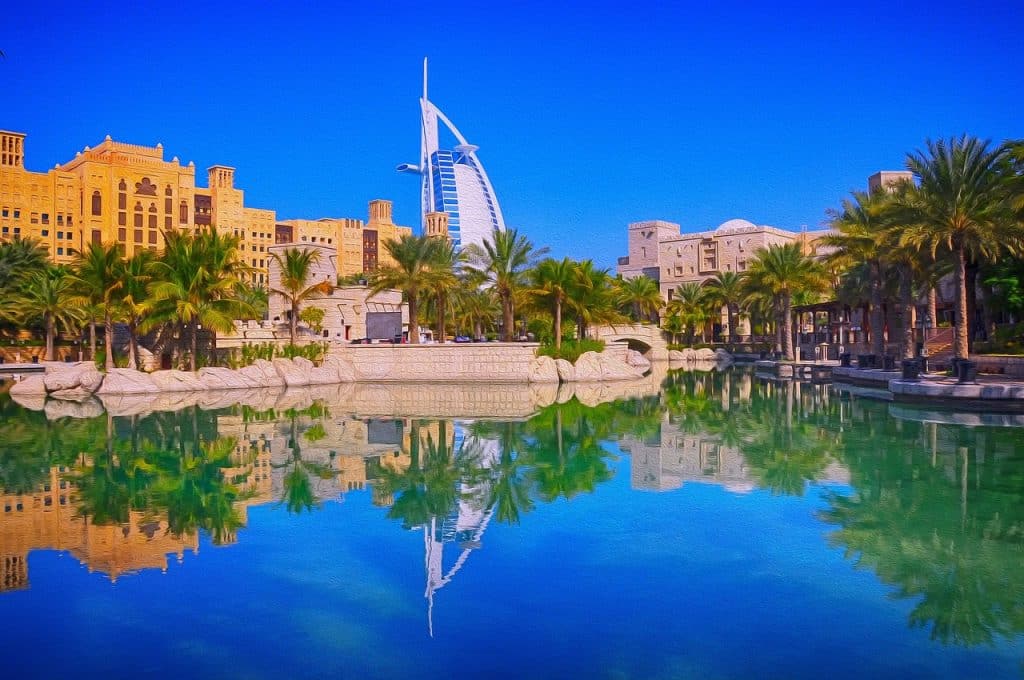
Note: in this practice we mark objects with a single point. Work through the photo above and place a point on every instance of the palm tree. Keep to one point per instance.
(135, 273)
(196, 282)
(726, 290)
(551, 281)
(411, 273)
(503, 261)
(640, 295)
(782, 270)
(692, 305)
(19, 257)
(963, 202)
(48, 294)
(592, 298)
(443, 280)
(476, 308)
(97, 278)
(295, 270)
(861, 226)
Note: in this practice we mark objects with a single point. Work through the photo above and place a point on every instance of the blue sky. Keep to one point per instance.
(587, 118)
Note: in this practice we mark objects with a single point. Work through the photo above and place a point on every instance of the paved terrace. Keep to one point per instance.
(995, 393)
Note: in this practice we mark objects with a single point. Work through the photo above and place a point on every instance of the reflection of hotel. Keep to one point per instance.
(671, 458)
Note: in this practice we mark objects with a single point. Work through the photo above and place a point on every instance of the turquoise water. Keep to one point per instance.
(720, 526)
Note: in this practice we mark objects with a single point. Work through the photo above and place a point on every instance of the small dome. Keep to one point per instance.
(737, 224)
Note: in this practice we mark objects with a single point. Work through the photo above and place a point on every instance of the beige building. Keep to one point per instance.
(350, 312)
(128, 194)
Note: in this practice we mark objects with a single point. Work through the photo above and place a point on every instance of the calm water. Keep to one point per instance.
(715, 527)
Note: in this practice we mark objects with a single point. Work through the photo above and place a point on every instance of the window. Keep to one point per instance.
(152, 216)
(152, 236)
(137, 221)
(183, 213)
(138, 236)
(46, 218)
(69, 235)
(17, 213)
(122, 219)
(167, 222)
(97, 204)
(122, 197)
(60, 251)
(60, 234)
(34, 218)
(46, 232)
(17, 230)
(60, 220)
(122, 235)
(5, 212)
(5, 230)
(145, 187)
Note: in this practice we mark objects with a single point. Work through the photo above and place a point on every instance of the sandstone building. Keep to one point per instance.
(128, 194)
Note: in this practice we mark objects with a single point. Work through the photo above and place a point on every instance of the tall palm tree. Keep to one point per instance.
(640, 295)
(97, 278)
(963, 202)
(476, 308)
(782, 270)
(296, 266)
(196, 282)
(443, 280)
(550, 284)
(504, 261)
(48, 295)
(861, 226)
(592, 297)
(19, 257)
(135, 273)
(692, 305)
(726, 290)
(413, 257)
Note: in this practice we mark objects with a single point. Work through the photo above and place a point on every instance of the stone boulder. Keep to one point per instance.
(566, 371)
(83, 374)
(261, 373)
(56, 409)
(704, 354)
(723, 357)
(127, 381)
(543, 394)
(543, 370)
(676, 356)
(588, 367)
(294, 372)
(214, 378)
(176, 381)
(637, 360)
(616, 369)
(342, 367)
(323, 375)
(32, 385)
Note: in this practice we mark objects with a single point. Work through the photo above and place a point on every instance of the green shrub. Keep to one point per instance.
(571, 349)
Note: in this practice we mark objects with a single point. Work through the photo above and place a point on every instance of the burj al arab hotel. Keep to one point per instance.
(453, 180)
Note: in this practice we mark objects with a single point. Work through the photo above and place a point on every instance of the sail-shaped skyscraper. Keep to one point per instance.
(453, 181)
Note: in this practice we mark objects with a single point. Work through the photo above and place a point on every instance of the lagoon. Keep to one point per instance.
(705, 525)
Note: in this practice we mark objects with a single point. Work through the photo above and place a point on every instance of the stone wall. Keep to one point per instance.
(492, 362)
(1004, 365)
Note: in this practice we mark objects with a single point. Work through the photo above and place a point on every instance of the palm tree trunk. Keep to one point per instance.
(50, 333)
(971, 286)
(787, 326)
(194, 339)
(960, 349)
(558, 325)
(293, 321)
(906, 313)
(133, 346)
(441, 326)
(507, 314)
(108, 336)
(877, 313)
(92, 339)
(414, 324)
(933, 305)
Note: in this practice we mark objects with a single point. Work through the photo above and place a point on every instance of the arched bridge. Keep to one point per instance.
(647, 339)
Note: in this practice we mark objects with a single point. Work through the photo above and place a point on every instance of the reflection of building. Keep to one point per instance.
(453, 181)
(48, 520)
(128, 194)
(669, 459)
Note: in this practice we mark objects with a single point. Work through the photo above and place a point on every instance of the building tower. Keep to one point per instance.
(436, 225)
(453, 181)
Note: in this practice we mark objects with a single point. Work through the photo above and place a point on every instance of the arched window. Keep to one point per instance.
(152, 215)
(183, 212)
(97, 203)
(168, 200)
(137, 220)
(122, 196)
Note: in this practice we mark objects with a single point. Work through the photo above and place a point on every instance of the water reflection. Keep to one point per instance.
(935, 510)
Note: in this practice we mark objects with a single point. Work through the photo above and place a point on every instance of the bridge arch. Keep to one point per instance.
(647, 339)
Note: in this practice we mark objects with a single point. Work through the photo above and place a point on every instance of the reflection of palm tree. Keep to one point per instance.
(298, 481)
(428, 487)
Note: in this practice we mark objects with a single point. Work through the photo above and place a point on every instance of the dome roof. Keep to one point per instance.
(737, 224)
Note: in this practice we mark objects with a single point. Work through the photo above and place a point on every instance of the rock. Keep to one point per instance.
(588, 367)
(342, 367)
(543, 394)
(614, 369)
(83, 374)
(637, 360)
(704, 354)
(543, 370)
(32, 402)
(32, 385)
(294, 372)
(566, 391)
(566, 371)
(224, 379)
(127, 381)
(723, 357)
(176, 381)
(74, 394)
(262, 373)
(323, 375)
(676, 355)
(689, 354)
